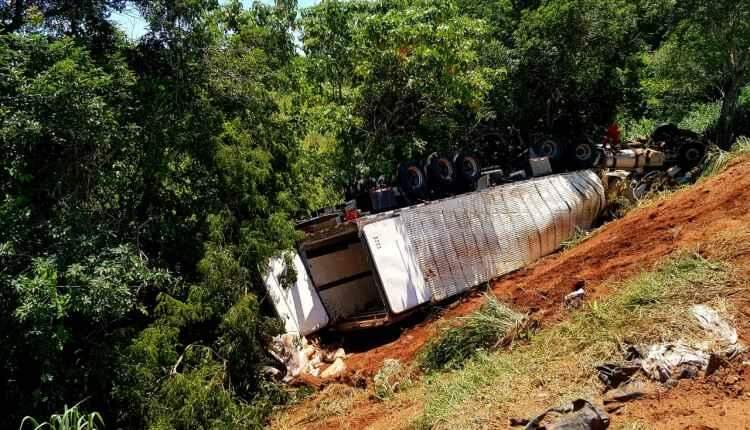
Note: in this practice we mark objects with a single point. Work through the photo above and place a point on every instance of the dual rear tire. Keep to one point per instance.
(438, 176)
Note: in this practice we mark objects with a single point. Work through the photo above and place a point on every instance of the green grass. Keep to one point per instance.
(493, 326)
(557, 365)
(71, 419)
(718, 160)
(390, 379)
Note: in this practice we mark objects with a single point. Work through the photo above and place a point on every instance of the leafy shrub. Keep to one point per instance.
(702, 118)
(633, 129)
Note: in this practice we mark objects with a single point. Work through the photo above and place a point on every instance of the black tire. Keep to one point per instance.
(440, 171)
(665, 133)
(548, 147)
(584, 155)
(412, 179)
(467, 168)
(691, 154)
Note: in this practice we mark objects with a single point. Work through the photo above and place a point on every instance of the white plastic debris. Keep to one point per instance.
(715, 325)
(666, 361)
(291, 350)
(574, 299)
(334, 369)
(663, 361)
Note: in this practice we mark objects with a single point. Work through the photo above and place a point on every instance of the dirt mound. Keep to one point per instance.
(718, 402)
(617, 251)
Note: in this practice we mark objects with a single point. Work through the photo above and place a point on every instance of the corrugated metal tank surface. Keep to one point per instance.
(469, 239)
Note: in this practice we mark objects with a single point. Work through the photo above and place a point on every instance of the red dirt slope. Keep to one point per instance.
(618, 250)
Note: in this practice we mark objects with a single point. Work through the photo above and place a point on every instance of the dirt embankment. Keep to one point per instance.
(618, 250)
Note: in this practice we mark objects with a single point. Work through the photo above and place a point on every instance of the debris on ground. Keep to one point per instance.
(577, 415)
(574, 299)
(613, 375)
(631, 390)
(670, 361)
(335, 369)
(302, 358)
(722, 332)
(616, 398)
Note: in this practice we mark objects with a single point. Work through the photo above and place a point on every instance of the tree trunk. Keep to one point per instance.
(725, 135)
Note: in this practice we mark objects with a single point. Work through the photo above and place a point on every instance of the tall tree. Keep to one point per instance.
(706, 55)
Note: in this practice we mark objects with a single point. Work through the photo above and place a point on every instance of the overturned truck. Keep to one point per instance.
(375, 270)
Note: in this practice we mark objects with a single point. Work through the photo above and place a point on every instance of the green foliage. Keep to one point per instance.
(579, 236)
(702, 118)
(408, 74)
(71, 419)
(706, 52)
(493, 325)
(145, 184)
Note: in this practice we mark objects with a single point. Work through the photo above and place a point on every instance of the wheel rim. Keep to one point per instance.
(583, 152)
(469, 167)
(692, 154)
(548, 149)
(415, 178)
(445, 170)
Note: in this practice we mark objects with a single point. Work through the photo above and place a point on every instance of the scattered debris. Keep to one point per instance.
(577, 415)
(613, 375)
(670, 361)
(723, 333)
(300, 357)
(575, 299)
(335, 369)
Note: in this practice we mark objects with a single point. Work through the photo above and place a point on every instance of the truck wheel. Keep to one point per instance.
(467, 167)
(691, 154)
(547, 147)
(440, 170)
(412, 179)
(665, 133)
(584, 155)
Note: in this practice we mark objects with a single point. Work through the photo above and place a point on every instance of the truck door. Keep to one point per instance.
(298, 303)
(396, 265)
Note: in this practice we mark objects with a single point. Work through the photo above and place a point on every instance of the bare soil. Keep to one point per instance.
(688, 219)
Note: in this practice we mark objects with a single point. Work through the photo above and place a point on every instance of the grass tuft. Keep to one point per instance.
(493, 326)
(71, 419)
(718, 160)
(390, 379)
